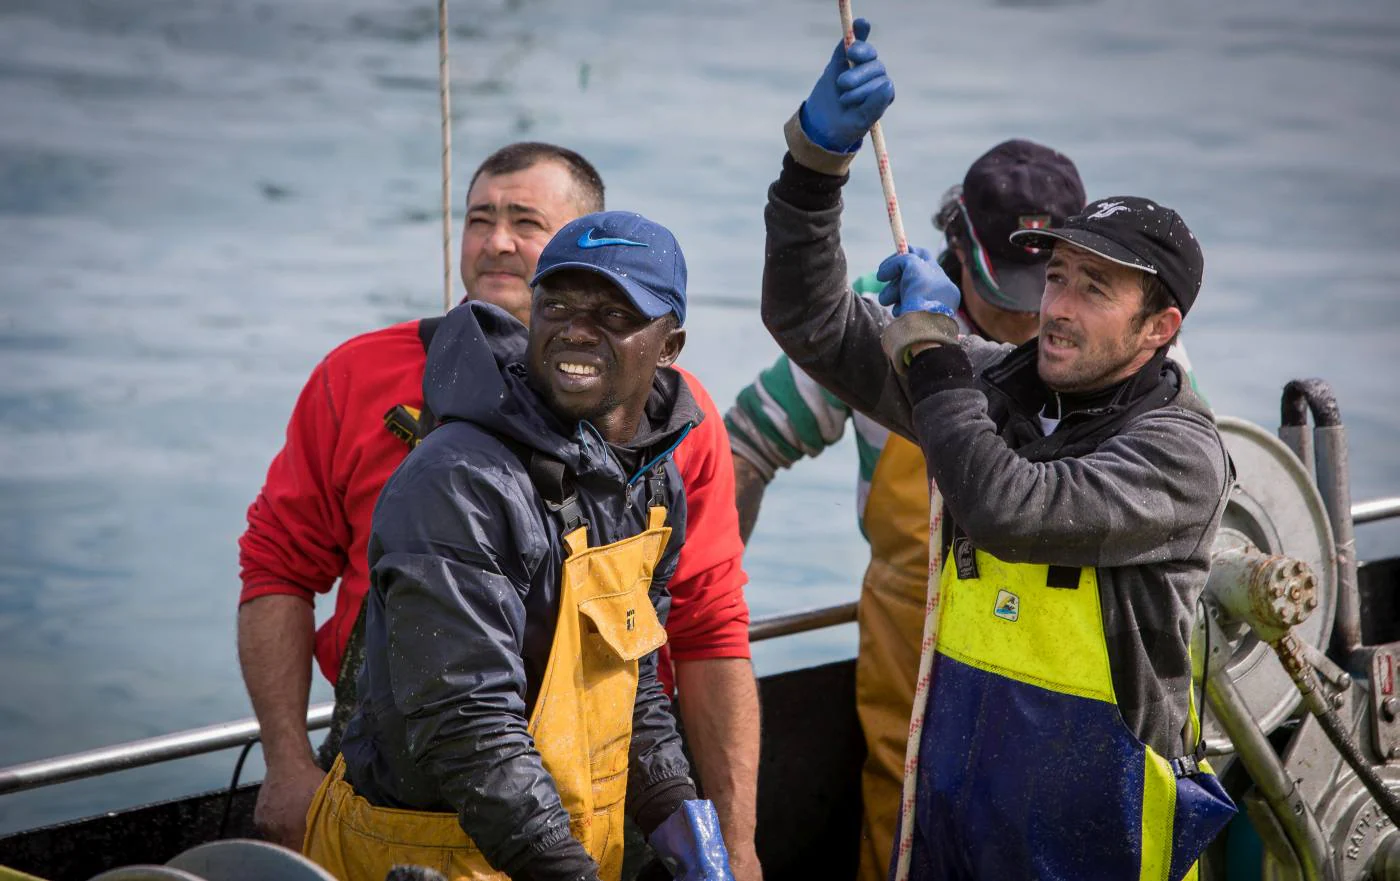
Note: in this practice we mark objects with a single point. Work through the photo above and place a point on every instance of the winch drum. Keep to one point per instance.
(1276, 508)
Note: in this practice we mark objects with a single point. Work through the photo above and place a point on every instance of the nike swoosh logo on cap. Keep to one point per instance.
(587, 241)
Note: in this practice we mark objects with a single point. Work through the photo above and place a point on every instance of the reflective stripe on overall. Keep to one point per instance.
(1027, 769)
(581, 724)
(891, 631)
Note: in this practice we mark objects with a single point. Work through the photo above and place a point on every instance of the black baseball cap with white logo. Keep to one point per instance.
(1017, 184)
(1137, 233)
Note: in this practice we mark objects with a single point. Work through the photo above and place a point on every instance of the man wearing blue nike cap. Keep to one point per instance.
(509, 707)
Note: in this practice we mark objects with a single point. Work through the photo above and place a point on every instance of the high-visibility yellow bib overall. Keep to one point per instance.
(1026, 768)
(891, 631)
(581, 724)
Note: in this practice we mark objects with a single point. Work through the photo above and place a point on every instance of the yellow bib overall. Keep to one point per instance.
(581, 724)
(891, 631)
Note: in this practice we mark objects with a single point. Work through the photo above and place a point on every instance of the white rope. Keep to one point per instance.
(929, 647)
(934, 595)
(445, 100)
(877, 140)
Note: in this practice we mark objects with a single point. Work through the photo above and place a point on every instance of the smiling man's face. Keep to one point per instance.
(510, 218)
(592, 354)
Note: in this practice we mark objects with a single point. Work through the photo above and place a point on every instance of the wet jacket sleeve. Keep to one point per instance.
(1148, 495)
(658, 775)
(458, 547)
(297, 529)
(709, 615)
(822, 325)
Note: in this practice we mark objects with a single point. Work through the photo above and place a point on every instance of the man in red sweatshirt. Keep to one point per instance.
(354, 422)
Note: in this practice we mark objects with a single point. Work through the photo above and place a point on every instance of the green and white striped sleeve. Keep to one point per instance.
(782, 416)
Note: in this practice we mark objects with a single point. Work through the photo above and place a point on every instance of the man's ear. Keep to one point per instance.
(671, 347)
(1160, 328)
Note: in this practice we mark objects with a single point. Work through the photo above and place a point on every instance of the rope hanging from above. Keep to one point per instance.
(932, 606)
(445, 101)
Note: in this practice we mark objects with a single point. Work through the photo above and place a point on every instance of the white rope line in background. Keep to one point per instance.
(445, 99)
(932, 604)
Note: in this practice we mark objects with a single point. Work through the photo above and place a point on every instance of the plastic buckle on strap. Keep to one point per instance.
(656, 487)
(1186, 766)
(569, 512)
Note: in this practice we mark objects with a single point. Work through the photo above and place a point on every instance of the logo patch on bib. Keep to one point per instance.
(1008, 606)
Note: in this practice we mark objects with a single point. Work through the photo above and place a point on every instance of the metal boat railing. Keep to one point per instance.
(212, 738)
(1375, 509)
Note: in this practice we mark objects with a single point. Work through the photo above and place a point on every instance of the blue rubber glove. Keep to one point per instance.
(850, 96)
(690, 844)
(917, 284)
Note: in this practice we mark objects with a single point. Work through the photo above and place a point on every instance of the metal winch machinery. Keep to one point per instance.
(1303, 720)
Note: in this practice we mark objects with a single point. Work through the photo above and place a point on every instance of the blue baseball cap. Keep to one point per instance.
(638, 255)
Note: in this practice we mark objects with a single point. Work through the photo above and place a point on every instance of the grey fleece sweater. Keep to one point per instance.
(1141, 508)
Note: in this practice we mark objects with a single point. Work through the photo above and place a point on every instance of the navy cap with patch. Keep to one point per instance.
(1018, 184)
(638, 255)
(1137, 233)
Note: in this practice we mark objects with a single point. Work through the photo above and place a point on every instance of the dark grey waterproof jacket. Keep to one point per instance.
(465, 563)
(1141, 507)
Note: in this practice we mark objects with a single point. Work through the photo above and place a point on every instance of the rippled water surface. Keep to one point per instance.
(199, 198)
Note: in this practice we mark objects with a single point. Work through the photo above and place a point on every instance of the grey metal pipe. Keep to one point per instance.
(1334, 484)
(801, 622)
(137, 753)
(1265, 768)
(1299, 439)
(1375, 509)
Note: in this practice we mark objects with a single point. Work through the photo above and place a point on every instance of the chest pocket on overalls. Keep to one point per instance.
(610, 587)
(583, 725)
(626, 623)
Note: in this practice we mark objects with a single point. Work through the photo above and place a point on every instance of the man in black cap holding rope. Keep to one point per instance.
(1083, 482)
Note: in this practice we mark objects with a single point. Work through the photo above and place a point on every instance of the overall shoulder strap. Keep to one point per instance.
(550, 478)
(427, 327)
(410, 424)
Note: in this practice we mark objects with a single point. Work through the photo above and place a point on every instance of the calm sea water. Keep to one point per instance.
(199, 198)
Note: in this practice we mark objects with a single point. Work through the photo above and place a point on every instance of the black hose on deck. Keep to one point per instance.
(1290, 653)
(1384, 795)
(233, 787)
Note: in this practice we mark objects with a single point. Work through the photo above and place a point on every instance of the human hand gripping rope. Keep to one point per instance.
(905, 846)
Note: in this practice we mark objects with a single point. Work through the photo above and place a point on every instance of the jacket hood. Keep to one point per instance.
(476, 373)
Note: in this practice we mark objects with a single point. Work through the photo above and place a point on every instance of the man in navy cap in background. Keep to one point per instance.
(509, 706)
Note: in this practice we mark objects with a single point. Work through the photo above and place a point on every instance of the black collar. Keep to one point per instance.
(1017, 377)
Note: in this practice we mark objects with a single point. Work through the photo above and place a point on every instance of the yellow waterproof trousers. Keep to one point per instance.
(581, 724)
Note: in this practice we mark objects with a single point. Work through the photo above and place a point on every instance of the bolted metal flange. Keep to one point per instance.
(1271, 593)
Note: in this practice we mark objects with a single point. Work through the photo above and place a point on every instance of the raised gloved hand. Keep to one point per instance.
(916, 283)
(850, 96)
(690, 844)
